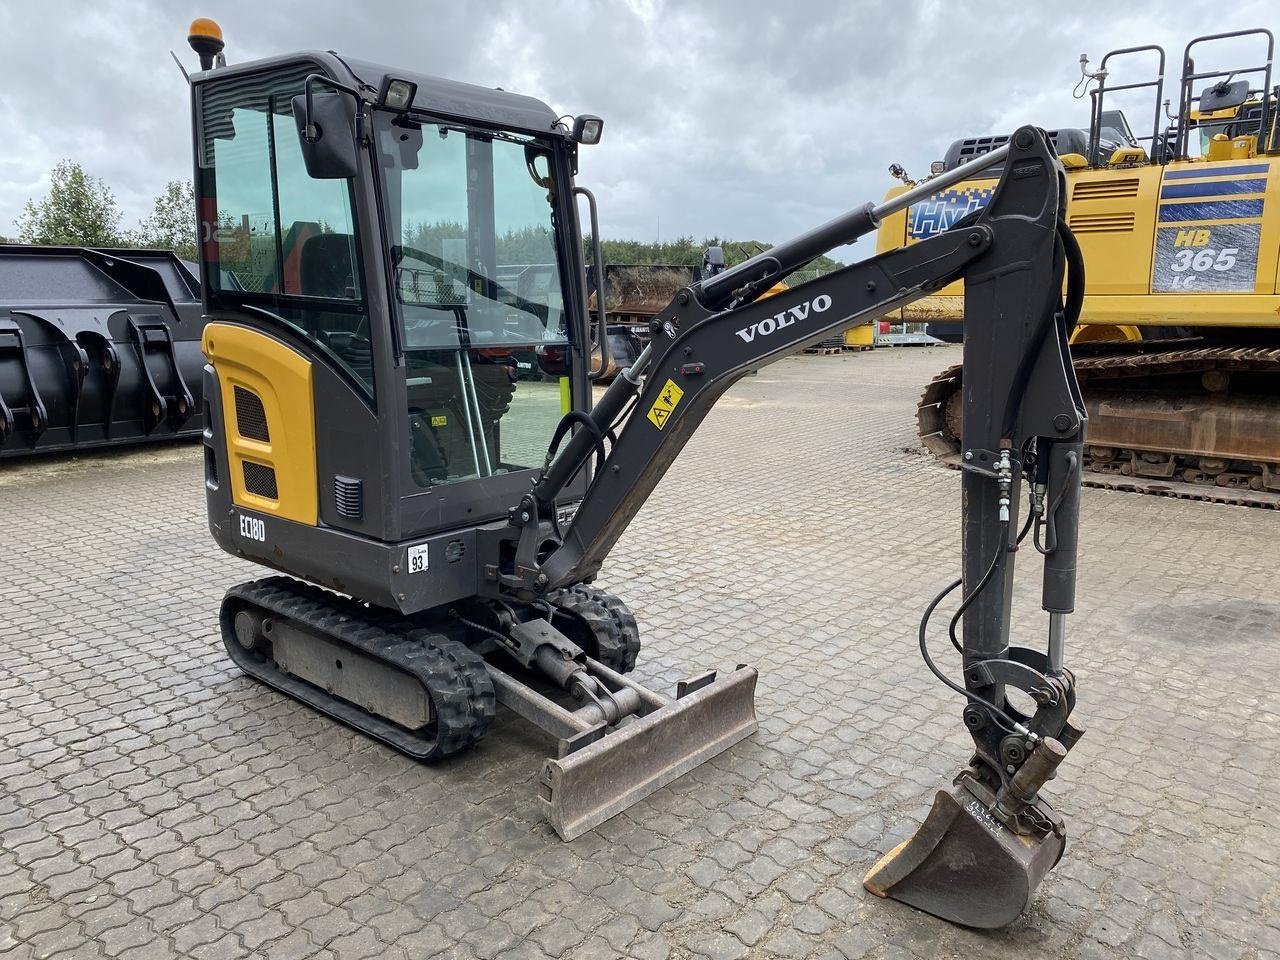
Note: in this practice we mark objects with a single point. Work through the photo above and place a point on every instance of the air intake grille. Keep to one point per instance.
(348, 497)
(455, 550)
(260, 480)
(1105, 189)
(251, 418)
(1102, 222)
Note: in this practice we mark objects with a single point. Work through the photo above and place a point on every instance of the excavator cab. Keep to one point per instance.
(1229, 114)
(378, 246)
(452, 231)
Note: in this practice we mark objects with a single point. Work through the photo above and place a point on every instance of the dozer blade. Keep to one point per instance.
(964, 865)
(602, 779)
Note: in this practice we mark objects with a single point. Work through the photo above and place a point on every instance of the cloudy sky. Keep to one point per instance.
(742, 118)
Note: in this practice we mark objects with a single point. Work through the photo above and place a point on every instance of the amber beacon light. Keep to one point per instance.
(205, 38)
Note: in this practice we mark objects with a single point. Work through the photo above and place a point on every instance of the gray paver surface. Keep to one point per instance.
(155, 803)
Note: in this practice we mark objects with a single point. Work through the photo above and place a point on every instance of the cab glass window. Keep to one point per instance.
(480, 290)
(272, 236)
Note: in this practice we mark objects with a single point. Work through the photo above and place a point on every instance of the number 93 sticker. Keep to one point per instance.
(417, 559)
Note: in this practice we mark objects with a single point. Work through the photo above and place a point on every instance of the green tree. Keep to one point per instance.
(687, 252)
(172, 223)
(80, 210)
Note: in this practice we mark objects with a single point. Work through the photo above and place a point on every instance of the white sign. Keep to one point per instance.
(418, 558)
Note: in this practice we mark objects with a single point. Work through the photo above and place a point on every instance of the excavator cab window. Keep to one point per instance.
(477, 281)
(276, 238)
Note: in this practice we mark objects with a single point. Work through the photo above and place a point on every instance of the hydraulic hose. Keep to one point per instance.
(996, 562)
(1050, 543)
(562, 429)
(1075, 277)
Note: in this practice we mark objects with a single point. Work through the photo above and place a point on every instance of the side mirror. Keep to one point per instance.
(329, 146)
(1223, 96)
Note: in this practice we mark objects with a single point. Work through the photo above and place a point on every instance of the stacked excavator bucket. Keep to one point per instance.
(97, 348)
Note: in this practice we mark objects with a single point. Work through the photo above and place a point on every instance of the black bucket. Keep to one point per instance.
(98, 348)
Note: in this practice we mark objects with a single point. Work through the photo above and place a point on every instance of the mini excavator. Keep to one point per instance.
(376, 248)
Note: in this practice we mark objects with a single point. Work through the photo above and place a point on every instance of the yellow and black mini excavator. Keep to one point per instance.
(376, 246)
(1178, 348)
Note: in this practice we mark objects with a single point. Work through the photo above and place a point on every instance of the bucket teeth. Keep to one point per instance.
(965, 866)
(598, 781)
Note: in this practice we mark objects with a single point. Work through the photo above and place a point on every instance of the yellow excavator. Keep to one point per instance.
(1178, 346)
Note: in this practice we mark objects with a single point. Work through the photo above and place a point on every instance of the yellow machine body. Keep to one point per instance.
(1192, 243)
(1178, 344)
(268, 418)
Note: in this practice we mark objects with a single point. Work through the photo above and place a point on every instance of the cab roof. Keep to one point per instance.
(435, 95)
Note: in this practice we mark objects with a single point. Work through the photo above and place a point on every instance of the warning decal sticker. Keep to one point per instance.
(661, 410)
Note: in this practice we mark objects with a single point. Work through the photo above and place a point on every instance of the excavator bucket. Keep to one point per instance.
(965, 866)
(98, 348)
(588, 786)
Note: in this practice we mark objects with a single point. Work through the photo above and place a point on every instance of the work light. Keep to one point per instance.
(398, 94)
(587, 129)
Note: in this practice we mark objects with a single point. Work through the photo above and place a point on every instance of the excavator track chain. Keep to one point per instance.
(456, 682)
(938, 416)
(608, 624)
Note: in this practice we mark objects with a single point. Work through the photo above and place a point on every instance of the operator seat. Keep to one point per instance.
(326, 269)
(325, 266)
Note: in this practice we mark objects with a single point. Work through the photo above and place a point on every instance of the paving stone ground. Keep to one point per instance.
(155, 803)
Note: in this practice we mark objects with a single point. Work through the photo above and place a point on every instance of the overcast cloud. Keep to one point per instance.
(745, 119)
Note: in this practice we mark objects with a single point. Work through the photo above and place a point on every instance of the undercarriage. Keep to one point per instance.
(429, 685)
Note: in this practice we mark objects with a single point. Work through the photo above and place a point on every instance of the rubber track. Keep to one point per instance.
(1103, 361)
(456, 678)
(611, 624)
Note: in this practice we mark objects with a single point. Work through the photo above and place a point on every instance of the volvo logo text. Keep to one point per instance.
(819, 304)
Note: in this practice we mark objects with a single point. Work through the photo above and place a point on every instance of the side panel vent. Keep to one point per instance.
(260, 480)
(1105, 189)
(348, 497)
(1102, 222)
(454, 551)
(251, 418)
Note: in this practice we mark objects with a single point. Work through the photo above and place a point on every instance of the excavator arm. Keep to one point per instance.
(699, 353)
(990, 838)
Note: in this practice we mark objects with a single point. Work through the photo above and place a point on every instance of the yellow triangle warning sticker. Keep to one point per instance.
(663, 407)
